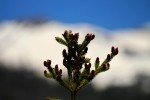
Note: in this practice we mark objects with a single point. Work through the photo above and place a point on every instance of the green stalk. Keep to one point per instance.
(73, 95)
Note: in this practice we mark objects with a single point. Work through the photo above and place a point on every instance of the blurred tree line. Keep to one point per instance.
(21, 84)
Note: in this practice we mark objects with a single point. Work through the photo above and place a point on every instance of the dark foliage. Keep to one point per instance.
(26, 85)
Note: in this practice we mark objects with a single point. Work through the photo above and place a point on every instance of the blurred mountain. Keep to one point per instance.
(32, 41)
(33, 21)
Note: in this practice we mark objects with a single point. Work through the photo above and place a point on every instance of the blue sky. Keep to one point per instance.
(109, 14)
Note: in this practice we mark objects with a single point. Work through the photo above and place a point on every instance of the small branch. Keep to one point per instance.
(74, 58)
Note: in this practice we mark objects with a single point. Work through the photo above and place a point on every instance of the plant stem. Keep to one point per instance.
(73, 95)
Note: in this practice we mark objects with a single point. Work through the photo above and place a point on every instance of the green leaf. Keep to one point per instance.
(61, 41)
(82, 84)
(66, 35)
(103, 68)
(84, 44)
(96, 64)
(87, 60)
(48, 75)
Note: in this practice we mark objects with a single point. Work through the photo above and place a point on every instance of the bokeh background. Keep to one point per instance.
(27, 37)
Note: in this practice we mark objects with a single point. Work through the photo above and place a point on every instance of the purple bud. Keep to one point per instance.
(45, 72)
(87, 37)
(86, 66)
(65, 33)
(97, 60)
(56, 68)
(105, 67)
(64, 53)
(108, 65)
(85, 50)
(45, 63)
(64, 62)
(108, 57)
(93, 73)
(89, 65)
(76, 36)
(58, 77)
(112, 49)
(92, 37)
(48, 63)
(60, 72)
(71, 36)
(116, 51)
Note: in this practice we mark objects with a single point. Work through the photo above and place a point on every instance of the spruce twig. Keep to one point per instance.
(74, 60)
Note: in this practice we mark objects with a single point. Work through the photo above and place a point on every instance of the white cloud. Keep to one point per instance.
(30, 44)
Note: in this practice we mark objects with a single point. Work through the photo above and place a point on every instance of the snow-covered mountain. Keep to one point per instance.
(31, 44)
